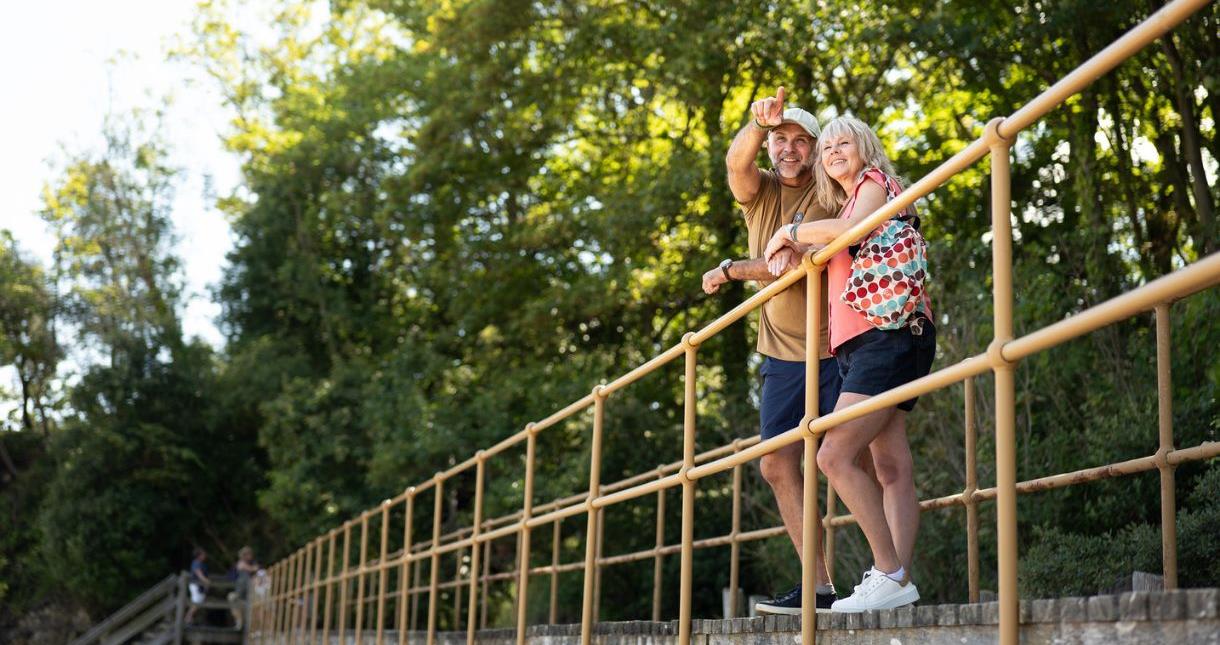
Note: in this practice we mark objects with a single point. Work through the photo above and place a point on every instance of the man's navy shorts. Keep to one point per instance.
(783, 393)
(880, 360)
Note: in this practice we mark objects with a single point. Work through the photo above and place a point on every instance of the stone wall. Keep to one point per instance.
(1182, 617)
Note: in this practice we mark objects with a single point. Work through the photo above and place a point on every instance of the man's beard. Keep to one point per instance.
(791, 171)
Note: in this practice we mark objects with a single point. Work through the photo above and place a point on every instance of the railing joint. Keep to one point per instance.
(993, 136)
(995, 354)
(599, 392)
(688, 340)
(684, 474)
(806, 427)
(807, 260)
(1162, 458)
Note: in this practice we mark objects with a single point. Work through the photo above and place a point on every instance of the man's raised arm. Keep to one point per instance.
(744, 176)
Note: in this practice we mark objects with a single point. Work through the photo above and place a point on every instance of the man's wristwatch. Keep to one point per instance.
(724, 267)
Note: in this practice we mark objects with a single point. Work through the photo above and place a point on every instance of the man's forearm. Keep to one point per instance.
(752, 269)
(744, 149)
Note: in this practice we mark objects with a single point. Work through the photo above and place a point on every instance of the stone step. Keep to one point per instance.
(203, 634)
(1185, 617)
(213, 603)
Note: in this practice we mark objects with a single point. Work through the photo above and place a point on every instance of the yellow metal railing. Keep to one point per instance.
(291, 610)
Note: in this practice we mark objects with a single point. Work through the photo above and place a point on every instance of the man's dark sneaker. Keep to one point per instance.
(790, 602)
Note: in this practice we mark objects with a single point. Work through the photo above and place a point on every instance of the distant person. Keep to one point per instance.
(260, 590)
(245, 568)
(882, 336)
(199, 582)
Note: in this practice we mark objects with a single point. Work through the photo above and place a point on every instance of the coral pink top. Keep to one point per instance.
(845, 322)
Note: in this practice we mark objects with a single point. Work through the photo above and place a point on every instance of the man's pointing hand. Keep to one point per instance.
(769, 112)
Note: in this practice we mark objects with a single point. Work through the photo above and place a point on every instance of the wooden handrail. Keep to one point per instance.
(159, 591)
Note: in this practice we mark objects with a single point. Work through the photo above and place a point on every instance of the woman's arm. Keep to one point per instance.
(869, 198)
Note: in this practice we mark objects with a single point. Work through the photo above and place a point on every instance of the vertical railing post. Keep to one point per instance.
(277, 587)
(360, 571)
(403, 575)
(1005, 382)
(316, 590)
(273, 599)
(828, 531)
(689, 405)
(383, 572)
(595, 469)
(480, 473)
(290, 598)
(523, 551)
(278, 584)
(734, 533)
(972, 505)
(330, 583)
(343, 579)
(1164, 386)
(281, 598)
(180, 608)
(597, 564)
(416, 577)
(457, 592)
(307, 561)
(307, 587)
(435, 559)
(485, 583)
(810, 517)
(658, 557)
(553, 611)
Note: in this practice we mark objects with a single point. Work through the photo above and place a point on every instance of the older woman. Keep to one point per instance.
(873, 355)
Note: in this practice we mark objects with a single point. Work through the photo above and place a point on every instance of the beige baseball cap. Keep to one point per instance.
(803, 118)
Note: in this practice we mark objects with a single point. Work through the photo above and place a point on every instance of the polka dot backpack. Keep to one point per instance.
(887, 277)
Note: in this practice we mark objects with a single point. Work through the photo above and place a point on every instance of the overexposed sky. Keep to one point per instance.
(66, 64)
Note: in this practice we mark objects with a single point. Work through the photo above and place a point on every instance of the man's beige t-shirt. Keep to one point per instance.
(781, 327)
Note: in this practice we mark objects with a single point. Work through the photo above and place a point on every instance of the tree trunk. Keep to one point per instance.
(1190, 146)
(1127, 180)
(1174, 174)
(6, 460)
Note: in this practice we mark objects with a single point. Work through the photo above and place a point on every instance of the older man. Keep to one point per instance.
(771, 198)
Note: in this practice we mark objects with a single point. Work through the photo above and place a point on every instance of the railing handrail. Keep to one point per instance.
(1000, 357)
(164, 588)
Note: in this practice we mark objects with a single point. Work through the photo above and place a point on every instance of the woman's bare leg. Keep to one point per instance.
(896, 472)
(839, 456)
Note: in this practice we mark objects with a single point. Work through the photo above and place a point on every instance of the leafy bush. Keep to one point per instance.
(1066, 564)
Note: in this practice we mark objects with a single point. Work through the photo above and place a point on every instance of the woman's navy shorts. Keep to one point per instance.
(783, 393)
(882, 359)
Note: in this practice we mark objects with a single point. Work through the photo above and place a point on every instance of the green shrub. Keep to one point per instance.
(1068, 564)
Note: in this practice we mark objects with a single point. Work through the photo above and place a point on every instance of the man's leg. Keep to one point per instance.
(782, 470)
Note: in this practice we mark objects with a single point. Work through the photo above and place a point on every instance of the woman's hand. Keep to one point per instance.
(778, 241)
(783, 261)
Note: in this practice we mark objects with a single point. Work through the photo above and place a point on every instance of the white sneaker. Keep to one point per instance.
(877, 591)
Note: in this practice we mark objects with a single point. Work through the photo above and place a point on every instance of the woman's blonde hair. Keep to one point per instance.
(830, 193)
